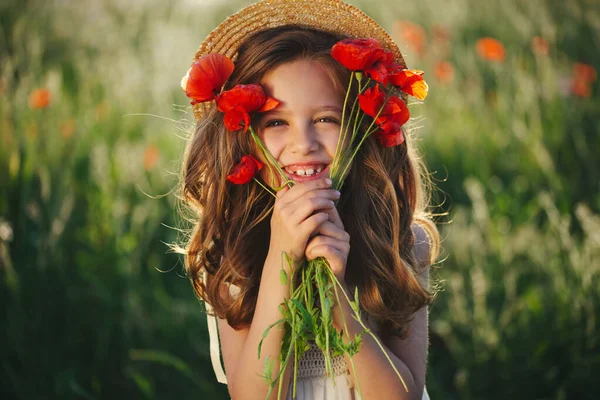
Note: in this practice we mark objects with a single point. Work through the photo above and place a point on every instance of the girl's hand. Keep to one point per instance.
(298, 213)
(331, 242)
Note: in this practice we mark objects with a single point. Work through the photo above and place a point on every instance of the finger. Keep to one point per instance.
(320, 240)
(309, 207)
(335, 258)
(330, 229)
(301, 189)
(334, 217)
(281, 192)
(311, 224)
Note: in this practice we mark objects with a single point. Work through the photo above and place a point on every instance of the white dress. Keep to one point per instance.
(312, 382)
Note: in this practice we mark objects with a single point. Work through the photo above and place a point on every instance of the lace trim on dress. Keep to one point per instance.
(312, 364)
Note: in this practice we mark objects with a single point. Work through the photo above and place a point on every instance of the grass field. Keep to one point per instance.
(92, 128)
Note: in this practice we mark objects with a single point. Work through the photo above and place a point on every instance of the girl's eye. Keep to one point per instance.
(273, 123)
(327, 119)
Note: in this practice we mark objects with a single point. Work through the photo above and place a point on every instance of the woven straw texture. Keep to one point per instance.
(327, 15)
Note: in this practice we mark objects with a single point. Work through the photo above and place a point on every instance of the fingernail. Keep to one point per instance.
(337, 193)
(328, 181)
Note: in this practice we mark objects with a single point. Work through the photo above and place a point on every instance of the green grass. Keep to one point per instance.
(92, 305)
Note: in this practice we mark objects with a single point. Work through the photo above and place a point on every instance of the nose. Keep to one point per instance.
(304, 139)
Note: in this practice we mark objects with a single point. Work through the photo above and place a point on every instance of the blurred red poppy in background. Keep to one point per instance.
(40, 98)
(491, 49)
(444, 72)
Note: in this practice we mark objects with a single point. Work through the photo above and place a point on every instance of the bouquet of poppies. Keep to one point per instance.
(379, 82)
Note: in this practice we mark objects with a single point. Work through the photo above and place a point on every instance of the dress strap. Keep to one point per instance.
(215, 348)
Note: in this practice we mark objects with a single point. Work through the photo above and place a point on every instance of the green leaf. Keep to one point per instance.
(283, 277)
(267, 374)
(266, 332)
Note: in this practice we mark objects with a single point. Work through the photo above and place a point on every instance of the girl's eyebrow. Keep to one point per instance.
(283, 110)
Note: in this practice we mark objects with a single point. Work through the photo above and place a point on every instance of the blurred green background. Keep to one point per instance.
(93, 124)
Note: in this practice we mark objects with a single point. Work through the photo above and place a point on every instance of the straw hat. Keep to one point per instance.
(332, 16)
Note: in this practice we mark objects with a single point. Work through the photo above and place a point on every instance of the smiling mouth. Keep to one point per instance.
(305, 171)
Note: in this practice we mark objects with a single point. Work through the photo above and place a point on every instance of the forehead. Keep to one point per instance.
(302, 79)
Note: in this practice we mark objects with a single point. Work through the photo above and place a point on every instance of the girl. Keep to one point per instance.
(378, 239)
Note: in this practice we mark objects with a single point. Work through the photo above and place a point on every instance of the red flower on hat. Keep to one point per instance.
(409, 81)
(355, 54)
(206, 77)
(365, 55)
(238, 102)
(244, 171)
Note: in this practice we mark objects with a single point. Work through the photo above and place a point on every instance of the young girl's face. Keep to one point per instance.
(302, 132)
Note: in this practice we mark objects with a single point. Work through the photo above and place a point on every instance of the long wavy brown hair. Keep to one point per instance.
(383, 196)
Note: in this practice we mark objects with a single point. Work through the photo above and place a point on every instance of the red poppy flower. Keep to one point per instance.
(394, 109)
(379, 70)
(355, 54)
(540, 46)
(444, 72)
(240, 101)
(409, 81)
(390, 134)
(244, 171)
(584, 72)
(206, 77)
(365, 55)
(412, 34)
(491, 49)
(40, 98)
(371, 101)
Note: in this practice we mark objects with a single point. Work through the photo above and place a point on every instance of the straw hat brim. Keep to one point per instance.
(332, 16)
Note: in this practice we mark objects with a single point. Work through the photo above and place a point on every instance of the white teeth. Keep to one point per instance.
(307, 172)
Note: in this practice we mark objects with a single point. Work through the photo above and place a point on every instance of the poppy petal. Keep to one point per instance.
(206, 77)
(410, 81)
(391, 140)
(269, 105)
(245, 170)
(400, 114)
(383, 62)
(236, 119)
(356, 54)
(390, 134)
(417, 89)
(249, 97)
(371, 101)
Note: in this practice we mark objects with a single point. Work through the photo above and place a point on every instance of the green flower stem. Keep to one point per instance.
(366, 135)
(351, 357)
(339, 143)
(265, 187)
(359, 320)
(269, 156)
